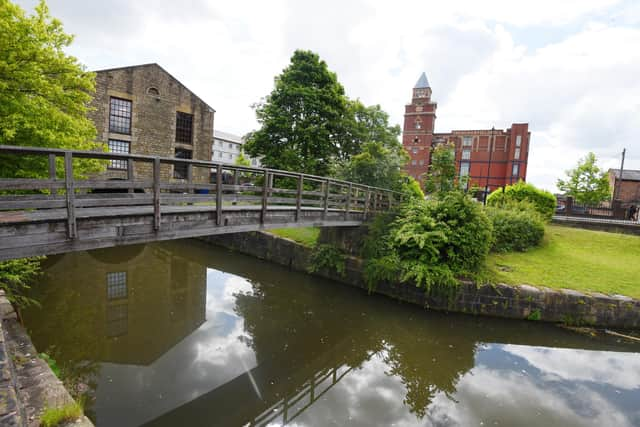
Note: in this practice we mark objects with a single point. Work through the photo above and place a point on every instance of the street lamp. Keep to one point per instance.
(486, 186)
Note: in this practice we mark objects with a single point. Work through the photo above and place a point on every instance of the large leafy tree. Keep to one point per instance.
(442, 172)
(586, 183)
(303, 119)
(44, 93)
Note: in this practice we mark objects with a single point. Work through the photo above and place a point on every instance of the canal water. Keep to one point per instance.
(186, 334)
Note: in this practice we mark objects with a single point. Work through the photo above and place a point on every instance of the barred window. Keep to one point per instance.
(184, 127)
(120, 116)
(464, 169)
(180, 169)
(117, 146)
(116, 285)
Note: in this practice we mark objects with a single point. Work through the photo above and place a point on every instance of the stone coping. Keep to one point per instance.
(27, 383)
(500, 300)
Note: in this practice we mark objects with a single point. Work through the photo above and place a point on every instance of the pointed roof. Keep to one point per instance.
(422, 82)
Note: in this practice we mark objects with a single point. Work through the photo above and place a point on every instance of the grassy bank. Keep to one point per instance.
(577, 259)
(306, 236)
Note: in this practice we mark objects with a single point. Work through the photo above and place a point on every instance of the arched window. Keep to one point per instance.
(418, 124)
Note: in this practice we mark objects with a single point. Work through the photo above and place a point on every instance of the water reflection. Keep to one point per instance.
(184, 334)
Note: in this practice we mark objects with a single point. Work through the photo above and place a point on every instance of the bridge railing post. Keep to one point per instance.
(219, 195)
(366, 202)
(156, 193)
(326, 199)
(299, 196)
(69, 185)
(265, 197)
(52, 172)
(348, 202)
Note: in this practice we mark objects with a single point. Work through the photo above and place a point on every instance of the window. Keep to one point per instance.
(516, 154)
(120, 116)
(413, 162)
(117, 320)
(421, 162)
(153, 91)
(466, 154)
(518, 140)
(219, 153)
(467, 141)
(416, 140)
(184, 126)
(464, 169)
(231, 146)
(418, 124)
(180, 169)
(415, 150)
(117, 146)
(516, 169)
(116, 285)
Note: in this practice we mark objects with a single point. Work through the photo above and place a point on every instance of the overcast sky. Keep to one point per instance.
(570, 68)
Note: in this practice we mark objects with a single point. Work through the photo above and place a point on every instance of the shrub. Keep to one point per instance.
(516, 227)
(16, 276)
(56, 416)
(327, 257)
(544, 202)
(429, 243)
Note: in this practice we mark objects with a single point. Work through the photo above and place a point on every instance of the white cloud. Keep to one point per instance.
(489, 63)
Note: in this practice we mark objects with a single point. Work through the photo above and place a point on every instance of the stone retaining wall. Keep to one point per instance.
(517, 302)
(27, 384)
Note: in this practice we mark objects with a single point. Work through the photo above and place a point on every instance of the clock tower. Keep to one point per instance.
(419, 122)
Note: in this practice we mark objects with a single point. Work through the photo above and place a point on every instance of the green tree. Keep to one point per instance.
(368, 124)
(442, 171)
(586, 183)
(44, 93)
(302, 120)
(242, 160)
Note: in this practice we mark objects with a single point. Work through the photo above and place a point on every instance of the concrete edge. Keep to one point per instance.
(498, 300)
(31, 385)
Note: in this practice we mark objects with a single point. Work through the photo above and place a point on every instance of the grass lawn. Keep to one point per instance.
(303, 235)
(577, 259)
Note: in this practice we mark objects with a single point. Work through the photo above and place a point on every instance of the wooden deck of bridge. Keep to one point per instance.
(61, 212)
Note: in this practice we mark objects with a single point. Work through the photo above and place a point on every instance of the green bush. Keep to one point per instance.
(544, 202)
(429, 243)
(516, 227)
(16, 276)
(327, 257)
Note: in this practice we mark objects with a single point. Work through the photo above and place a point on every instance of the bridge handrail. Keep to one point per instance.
(172, 160)
(347, 197)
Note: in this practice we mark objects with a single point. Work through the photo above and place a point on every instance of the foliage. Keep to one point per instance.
(586, 183)
(516, 227)
(242, 160)
(364, 124)
(307, 236)
(57, 416)
(15, 279)
(302, 120)
(442, 171)
(377, 165)
(51, 362)
(44, 93)
(327, 257)
(411, 188)
(571, 258)
(535, 315)
(429, 243)
(543, 201)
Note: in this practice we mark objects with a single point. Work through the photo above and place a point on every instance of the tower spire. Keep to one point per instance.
(422, 82)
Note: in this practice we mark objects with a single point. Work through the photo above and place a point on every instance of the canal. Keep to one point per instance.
(185, 334)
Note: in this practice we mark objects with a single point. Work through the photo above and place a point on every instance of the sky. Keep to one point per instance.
(569, 68)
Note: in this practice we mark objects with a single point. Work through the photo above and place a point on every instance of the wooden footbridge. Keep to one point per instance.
(139, 199)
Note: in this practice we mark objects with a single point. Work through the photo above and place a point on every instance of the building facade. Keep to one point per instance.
(227, 148)
(489, 158)
(143, 109)
(627, 189)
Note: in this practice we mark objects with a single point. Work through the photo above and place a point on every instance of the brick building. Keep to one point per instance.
(142, 109)
(489, 157)
(626, 190)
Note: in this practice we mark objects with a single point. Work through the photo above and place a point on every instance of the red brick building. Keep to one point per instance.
(490, 158)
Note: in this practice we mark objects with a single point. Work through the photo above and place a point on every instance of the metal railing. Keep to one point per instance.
(148, 181)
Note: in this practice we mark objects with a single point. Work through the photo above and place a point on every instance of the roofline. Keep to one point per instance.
(163, 69)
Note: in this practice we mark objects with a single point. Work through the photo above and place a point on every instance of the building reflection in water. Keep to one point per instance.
(181, 333)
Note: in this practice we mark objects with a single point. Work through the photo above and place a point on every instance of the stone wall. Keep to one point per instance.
(27, 384)
(156, 96)
(516, 302)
